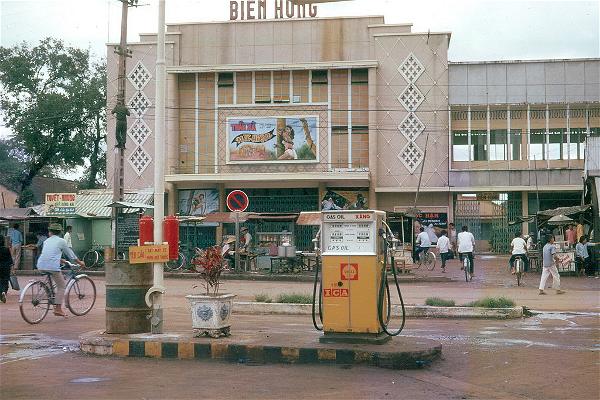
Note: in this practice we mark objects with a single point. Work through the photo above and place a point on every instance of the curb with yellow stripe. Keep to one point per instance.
(257, 353)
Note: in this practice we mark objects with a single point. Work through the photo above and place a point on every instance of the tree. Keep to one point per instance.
(50, 97)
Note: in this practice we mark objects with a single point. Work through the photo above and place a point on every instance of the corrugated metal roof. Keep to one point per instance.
(93, 203)
(16, 213)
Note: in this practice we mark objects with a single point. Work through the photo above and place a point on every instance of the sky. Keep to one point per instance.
(481, 29)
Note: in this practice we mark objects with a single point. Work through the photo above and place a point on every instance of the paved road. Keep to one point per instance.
(549, 356)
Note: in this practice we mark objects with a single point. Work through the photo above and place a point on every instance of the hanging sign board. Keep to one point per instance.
(149, 254)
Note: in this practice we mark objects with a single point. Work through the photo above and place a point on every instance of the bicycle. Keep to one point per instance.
(178, 264)
(519, 267)
(427, 258)
(94, 257)
(37, 296)
(468, 267)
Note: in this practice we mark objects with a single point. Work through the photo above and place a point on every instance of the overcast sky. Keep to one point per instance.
(481, 29)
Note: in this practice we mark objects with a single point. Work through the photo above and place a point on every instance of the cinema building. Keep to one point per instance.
(352, 112)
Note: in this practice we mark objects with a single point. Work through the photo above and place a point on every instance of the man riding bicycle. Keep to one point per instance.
(466, 245)
(49, 261)
(519, 250)
(422, 244)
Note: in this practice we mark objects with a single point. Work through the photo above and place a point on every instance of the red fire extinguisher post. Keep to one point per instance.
(171, 235)
(146, 230)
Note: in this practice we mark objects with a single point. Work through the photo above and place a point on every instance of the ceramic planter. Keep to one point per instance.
(211, 313)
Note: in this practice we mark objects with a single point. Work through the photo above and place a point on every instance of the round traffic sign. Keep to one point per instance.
(237, 200)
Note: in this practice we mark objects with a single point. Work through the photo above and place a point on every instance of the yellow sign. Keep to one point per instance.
(148, 254)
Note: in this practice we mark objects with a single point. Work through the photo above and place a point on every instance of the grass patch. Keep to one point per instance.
(263, 298)
(491, 302)
(294, 298)
(438, 302)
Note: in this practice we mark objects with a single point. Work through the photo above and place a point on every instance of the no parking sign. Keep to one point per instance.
(237, 200)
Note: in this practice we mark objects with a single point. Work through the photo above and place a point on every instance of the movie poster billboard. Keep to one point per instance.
(198, 202)
(345, 199)
(272, 139)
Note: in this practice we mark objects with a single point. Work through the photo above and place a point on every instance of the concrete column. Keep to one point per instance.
(373, 138)
(525, 211)
(172, 137)
(222, 208)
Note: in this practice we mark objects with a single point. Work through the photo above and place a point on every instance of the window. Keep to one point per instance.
(225, 85)
(360, 97)
(339, 146)
(515, 144)
(243, 83)
(460, 146)
(319, 86)
(479, 145)
(262, 90)
(498, 144)
(537, 144)
(300, 86)
(360, 146)
(281, 86)
(577, 145)
(555, 144)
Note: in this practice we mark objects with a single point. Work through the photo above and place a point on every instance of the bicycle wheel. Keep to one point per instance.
(430, 261)
(80, 295)
(417, 263)
(34, 302)
(467, 268)
(90, 259)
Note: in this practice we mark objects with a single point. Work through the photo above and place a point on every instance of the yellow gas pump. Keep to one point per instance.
(354, 298)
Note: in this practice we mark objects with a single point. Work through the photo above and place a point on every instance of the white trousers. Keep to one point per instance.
(546, 272)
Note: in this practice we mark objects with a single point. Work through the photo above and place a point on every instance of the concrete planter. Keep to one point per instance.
(211, 314)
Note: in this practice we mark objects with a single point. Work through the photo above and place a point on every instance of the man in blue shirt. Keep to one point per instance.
(14, 245)
(549, 267)
(583, 257)
(49, 261)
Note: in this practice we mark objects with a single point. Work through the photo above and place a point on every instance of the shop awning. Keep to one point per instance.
(568, 211)
(126, 204)
(309, 218)
(16, 214)
(273, 216)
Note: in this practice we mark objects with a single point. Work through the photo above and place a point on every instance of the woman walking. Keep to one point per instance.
(6, 263)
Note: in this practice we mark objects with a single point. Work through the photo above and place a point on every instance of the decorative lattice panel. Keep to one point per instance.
(411, 68)
(139, 160)
(139, 104)
(411, 156)
(411, 98)
(139, 131)
(139, 76)
(411, 127)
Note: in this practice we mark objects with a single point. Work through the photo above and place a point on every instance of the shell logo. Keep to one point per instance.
(349, 272)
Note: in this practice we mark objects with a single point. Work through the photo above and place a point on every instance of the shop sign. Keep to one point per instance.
(60, 203)
(149, 254)
(198, 202)
(257, 9)
(272, 139)
(488, 196)
(437, 219)
(345, 199)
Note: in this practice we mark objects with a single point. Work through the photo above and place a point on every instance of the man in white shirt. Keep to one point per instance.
(519, 250)
(443, 244)
(422, 243)
(49, 261)
(466, 245)
(67, 236)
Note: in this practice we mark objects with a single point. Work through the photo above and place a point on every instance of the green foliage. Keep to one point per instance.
(53, 99)
(438, 302)
(304, 153)
(492, 302)
(294, 298)
(263, 298)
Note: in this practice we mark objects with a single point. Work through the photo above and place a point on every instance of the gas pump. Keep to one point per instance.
(354, 301)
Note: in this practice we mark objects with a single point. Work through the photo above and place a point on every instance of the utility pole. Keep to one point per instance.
(121, 112)
(159, 170)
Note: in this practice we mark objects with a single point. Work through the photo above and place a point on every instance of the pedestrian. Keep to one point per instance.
(50, 259)
(67, 236)
(422, 244)
(14, 245)
(583, 259)
(519, 250)
(443, 244)
(452, 237)
(571, 236)
(6, 263)
(549, 268)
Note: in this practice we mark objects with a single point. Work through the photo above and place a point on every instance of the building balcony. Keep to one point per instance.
(516, 180)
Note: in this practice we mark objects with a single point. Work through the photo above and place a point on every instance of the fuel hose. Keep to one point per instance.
(384, 292)
(314, 305)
